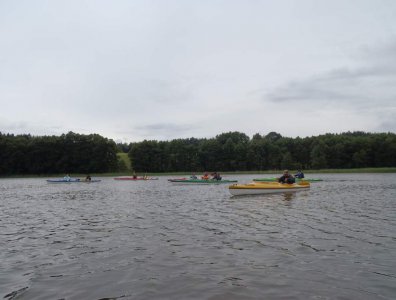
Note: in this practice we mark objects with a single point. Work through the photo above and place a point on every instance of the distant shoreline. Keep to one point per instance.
(115, 174)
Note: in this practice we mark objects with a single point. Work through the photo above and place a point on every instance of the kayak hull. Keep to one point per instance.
(257, 188)
(274, 179)
(200, 181)
(72, 181)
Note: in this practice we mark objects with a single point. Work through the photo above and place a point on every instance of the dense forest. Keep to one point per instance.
(232, 151)
(68, 153)
(235, 151)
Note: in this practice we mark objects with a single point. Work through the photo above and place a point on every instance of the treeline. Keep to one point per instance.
(68, 153)
(232, 151)
(235, 151)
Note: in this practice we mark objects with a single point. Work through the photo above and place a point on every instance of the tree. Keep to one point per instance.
(359, 158)
(318, 156)
(287, 162)
(144, 156)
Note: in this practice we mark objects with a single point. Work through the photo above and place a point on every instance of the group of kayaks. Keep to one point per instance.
(258, 186)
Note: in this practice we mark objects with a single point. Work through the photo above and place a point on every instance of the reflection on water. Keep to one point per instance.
(288, 196)
(154, 240)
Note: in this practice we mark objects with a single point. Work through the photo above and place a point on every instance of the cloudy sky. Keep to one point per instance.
(140, 69)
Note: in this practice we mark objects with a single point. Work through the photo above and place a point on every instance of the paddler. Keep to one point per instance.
(286, 178)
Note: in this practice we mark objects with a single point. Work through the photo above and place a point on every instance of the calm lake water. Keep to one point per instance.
(155, 240)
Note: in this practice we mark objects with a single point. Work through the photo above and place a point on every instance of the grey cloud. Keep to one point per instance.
(163, 129)
(360, 73)
(373, 83)
(309, 90)
(14, 126)
(26, 127)
(380, 53)
(388, 126)
(388, 120)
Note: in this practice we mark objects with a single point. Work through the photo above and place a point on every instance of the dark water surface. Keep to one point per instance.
(155, 240)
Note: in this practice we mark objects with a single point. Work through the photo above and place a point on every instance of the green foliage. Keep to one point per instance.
(318, 156)
(68, 153)
(227, 152)
(124, 163)
(234, 151)
(287, 161)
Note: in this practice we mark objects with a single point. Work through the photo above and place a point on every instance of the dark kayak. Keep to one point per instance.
(273, 179)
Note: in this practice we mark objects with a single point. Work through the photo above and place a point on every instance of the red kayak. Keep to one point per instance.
(134, 178)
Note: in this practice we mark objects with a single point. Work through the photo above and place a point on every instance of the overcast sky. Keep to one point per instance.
(133, 70)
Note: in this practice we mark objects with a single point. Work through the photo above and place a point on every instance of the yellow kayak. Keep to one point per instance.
(256, 188)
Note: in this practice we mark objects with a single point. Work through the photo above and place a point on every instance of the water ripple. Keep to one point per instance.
(154, 240)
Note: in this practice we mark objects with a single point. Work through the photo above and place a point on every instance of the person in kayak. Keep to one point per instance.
(216, 176)
(286, 178)
(88, 178)
(193, 177)
(134, 176)
(67, 178)
(205, 177)
(299, 174)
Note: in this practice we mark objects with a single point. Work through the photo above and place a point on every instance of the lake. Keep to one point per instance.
(155, 240)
